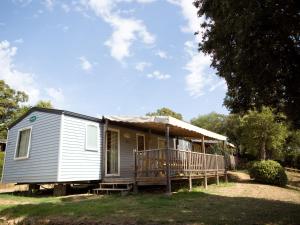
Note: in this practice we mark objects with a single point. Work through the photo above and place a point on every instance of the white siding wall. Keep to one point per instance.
(41, 166)
(75, 162)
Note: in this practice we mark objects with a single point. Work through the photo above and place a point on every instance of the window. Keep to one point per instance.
(140, 142)
(23, 143)
(91, 137)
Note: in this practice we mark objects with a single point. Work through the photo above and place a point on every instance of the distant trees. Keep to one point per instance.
(213, 121)
(263, 133)
(12, 106)
(44, 104)
(259, 133)
(255, 47)
(165, 112)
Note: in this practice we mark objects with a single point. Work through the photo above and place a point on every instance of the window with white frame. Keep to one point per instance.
(23, 143)
(91, 137)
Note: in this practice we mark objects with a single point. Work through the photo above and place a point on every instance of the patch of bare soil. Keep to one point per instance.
(239, 176)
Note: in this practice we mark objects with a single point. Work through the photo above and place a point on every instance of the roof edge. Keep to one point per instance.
(53, 111)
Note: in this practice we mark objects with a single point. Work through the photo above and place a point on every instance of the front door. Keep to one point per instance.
(113, 153)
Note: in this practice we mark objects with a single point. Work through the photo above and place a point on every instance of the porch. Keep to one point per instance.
(157, 166)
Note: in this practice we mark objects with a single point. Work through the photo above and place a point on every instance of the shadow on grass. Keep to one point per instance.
(181, 208)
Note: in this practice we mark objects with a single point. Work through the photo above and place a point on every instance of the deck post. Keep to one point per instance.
(190, 175)
(135, 187)
(217, 168)
(225, 161)
(169, 188)
(205, 175)
(190, 183)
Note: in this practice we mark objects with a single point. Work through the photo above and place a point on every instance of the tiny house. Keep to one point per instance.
(59, 146)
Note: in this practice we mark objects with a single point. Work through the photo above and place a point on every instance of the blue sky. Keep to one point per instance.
(119, 57)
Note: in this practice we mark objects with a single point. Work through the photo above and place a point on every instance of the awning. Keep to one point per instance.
(158, 123)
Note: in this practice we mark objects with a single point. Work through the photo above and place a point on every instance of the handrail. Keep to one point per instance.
(153, 163)
(173, 149)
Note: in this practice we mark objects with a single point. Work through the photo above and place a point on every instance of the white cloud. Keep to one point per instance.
(49, 4)
(85, 64)
(200, 76)
(125, 30)
(13, 77)
(22, 2)
(23, 81)
(65, 28)
(142, 65)
(162, 54)
(221, 83)
(65, 7)
(19, 41)
(56, 95)
(189, 12)
(145, 1)
(158, 75)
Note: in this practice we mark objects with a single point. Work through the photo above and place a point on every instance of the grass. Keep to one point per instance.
(200, 206)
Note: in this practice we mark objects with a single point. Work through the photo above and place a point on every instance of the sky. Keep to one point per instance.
(109, 57)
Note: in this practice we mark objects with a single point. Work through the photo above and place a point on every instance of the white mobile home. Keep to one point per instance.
(58, 146)
(49, 146)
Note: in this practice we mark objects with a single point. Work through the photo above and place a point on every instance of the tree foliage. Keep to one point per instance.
(213, 121)
(255, 46)
(165, 112)
(10, 101)
(12, 106)
(263, 133)
(44, 104)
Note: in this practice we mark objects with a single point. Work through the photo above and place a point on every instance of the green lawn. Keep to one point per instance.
(197, 207)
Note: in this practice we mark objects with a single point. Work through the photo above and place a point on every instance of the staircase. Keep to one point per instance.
(123, 185)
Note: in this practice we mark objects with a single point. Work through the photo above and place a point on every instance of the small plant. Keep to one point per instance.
(268, 172)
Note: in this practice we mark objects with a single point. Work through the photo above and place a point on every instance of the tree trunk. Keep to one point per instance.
(263, 150)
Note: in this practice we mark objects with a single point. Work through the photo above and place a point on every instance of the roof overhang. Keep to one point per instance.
(158, 124)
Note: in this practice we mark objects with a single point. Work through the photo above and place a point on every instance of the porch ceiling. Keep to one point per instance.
(158, 124)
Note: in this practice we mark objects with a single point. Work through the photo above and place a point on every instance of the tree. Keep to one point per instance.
(233, 130)
(213, 121)
(10, 101)
(255, 46)
(44, 104)
(165, 112)
(263, 133)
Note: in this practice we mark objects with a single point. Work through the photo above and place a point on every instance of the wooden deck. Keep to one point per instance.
(152, 166)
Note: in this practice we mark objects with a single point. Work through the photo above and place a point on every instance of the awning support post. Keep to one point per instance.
(217, 170)
(169, 188)
(205, 175)
(225, 161)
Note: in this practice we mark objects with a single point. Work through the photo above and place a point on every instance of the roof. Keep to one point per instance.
(54, 111)
(158, 123)
(212, 142)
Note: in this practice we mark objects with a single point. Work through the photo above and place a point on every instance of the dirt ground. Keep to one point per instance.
(246, 188)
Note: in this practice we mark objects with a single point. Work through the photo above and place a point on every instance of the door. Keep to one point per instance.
(140, 142)
(113, 153)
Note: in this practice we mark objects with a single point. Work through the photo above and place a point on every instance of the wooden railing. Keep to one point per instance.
(153, 163)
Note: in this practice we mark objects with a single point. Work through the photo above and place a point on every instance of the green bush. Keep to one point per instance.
(268, 172)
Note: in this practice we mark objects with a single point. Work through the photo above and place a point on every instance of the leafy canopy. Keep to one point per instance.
(10, 101)
(12, 106)
(165, 112)
(263, 133)
(255, 46)
(213, 121)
